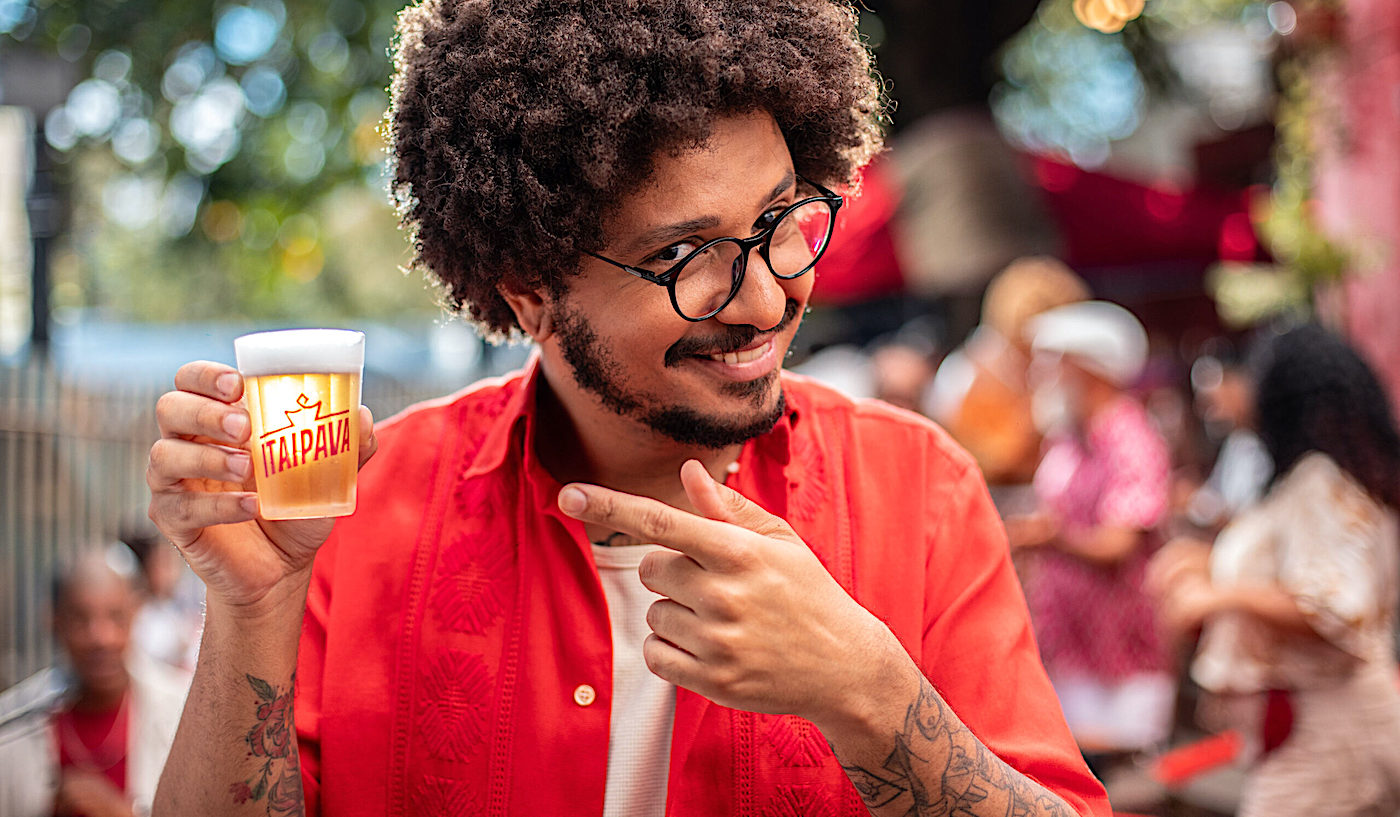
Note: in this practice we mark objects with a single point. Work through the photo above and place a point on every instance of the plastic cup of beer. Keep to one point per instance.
(302, 391)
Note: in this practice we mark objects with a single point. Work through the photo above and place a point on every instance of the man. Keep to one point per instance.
(93, 744)
(650, 572)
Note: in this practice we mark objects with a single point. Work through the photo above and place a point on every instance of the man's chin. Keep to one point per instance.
(691, 427)
(756, 391)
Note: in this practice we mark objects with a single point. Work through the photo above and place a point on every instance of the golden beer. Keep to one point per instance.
(302, 391)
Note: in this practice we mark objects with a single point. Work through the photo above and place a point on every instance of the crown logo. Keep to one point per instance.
(304, 404)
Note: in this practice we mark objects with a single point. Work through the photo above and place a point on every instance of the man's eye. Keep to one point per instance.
(672, 254)
(768, 219)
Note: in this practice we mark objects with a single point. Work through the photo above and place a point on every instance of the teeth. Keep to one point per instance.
(733, 358)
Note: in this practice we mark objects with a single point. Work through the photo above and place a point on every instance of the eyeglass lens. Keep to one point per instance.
(704, 283)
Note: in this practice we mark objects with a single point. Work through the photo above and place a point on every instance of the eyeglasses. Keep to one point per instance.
(706, 279)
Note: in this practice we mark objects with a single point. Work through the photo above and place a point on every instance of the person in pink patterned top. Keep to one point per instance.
(1102, 488)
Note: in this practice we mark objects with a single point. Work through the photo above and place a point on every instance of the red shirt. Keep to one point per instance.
(94, 741)
(456, 653)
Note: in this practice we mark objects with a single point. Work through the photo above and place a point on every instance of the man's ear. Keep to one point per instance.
(533, 311)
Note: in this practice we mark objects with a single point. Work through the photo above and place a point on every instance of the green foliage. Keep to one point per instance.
(1073, 90)
(1289, 224)
(1306, 257)
(1185, 14)
(1247, 295)
(223, 159)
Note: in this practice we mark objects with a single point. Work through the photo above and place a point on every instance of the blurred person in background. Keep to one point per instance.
(1298, 596)
(1102, 489)
(171, 615)
(90, 740)
(1224, 387)
(980, 393)
(903, 369)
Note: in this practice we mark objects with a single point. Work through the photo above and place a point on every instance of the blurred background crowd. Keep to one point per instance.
(1140, 258)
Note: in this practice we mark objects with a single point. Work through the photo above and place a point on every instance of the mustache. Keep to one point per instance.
(732, 339)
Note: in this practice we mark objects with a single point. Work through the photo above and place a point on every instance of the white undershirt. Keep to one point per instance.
(644, 706)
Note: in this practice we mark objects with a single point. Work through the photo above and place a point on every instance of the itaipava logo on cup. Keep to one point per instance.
(307, 437)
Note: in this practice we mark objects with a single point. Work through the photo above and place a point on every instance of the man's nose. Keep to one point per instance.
(761, 298)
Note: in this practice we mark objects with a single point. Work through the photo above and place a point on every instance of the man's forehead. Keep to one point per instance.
(743, 165)
(697, 214)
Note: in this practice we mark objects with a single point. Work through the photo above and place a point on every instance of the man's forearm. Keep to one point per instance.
(235, 752)
(931, 764)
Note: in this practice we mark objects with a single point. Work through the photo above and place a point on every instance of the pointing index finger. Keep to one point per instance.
(708, 542)
(716, 500)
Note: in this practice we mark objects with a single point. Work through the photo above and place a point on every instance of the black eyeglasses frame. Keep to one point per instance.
(746, 245)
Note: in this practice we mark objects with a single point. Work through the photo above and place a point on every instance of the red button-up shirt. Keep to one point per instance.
(456, 656)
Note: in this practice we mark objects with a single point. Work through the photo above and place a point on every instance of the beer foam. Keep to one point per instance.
(300, 351)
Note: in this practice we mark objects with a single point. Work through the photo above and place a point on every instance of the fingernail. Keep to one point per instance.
(239, 464)
(227, 383)
(249, 503)
(236, 424)
(572, 500)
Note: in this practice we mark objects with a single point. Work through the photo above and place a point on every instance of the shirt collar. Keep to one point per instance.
(514, 425)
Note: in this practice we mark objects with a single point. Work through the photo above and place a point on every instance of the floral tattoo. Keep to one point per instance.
(278, 779)
(938, 768)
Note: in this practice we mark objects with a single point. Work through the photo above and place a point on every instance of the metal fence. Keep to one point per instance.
(72, 474)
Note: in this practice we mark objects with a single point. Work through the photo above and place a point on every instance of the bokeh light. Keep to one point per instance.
(1068, 90)
(206, 124)
(12, 13)
(245, 33)
(93, 106)
(136, 140)
(264, 91)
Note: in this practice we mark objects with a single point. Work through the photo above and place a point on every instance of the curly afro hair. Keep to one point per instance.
(1317, 394)
(514, 125)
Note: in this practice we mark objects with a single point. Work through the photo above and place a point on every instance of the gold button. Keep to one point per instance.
(584, 695)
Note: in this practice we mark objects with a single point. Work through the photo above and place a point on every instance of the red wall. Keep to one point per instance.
(1358, 130)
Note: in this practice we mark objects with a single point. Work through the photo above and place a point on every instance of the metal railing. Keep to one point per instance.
(72, 475)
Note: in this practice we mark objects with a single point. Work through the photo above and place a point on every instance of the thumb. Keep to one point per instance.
(368, 442)
(715, 500)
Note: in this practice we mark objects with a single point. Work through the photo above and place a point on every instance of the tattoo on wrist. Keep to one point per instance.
(938, 767)
(278, 779)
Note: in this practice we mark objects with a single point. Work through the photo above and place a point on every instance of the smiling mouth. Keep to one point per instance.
(746, 356)
(741, 344)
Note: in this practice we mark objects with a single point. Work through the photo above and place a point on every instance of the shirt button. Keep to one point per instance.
(584, 695)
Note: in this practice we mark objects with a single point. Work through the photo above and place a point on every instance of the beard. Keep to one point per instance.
(596, 370)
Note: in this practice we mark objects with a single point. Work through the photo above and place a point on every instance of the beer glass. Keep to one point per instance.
(302, 391)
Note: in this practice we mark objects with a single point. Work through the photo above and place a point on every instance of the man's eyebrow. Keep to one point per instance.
(667, 233)
(781, 187)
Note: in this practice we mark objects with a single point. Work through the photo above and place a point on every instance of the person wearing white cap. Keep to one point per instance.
(1101, 338)
(1102, 490)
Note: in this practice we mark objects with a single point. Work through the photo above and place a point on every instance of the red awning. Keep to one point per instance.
(1103, 221)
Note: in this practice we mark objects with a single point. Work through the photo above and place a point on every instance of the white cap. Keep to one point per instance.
(1103, 338)
(300, 351)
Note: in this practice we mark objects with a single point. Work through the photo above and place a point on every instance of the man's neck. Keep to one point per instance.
(604, 448)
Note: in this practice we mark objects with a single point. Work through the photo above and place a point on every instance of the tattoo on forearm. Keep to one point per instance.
(278, 779)
(938, 768)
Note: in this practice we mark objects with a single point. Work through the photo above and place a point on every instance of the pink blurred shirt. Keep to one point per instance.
(1091, 619)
